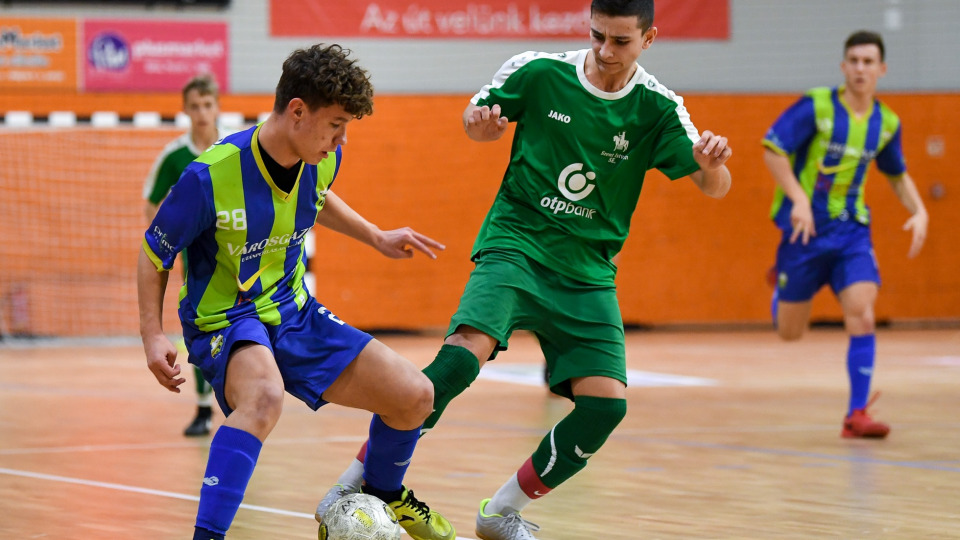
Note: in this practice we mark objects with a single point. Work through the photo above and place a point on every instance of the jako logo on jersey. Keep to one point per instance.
(559, 117)
(283, 240)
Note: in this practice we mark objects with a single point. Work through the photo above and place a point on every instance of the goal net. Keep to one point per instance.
(71, 221)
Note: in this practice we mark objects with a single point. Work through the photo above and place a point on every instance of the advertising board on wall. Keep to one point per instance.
(38, 54)
(127, 55)
(482, 19)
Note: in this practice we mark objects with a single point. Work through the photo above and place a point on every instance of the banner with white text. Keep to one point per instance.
(126, 55)
(38, 54)
(482, 19)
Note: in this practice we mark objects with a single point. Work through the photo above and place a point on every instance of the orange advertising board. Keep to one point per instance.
(38, 54)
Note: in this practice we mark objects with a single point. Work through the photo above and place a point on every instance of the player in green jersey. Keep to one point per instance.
(818, 152)
(242, 211)
(201, 104)
(590, 124)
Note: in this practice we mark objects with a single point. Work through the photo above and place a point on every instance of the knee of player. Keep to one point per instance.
(418, 399)
(265, 402)
(790, 334)
(604, 414)
(862, 321)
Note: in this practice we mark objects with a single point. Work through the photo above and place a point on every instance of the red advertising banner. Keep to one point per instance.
(478, 19)
(38, 54)
(122, 55)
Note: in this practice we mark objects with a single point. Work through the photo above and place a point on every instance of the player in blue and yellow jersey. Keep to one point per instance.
(201, 105)
(590, 124)
(818, 152)
(242, 211)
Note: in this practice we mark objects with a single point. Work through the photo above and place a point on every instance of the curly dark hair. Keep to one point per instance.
(323, 76)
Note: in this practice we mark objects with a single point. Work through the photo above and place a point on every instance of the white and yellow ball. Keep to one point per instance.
(359, 516)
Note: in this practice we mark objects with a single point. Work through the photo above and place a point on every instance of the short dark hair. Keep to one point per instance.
(641, 9)
(322, 76)
(864, 37)
(204, 84)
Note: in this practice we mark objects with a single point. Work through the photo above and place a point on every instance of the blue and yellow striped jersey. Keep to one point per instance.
(244, 236)
(830, 148)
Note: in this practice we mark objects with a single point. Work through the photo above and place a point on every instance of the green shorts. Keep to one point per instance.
(578, 324)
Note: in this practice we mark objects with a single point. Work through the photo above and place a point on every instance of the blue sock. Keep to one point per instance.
(860, 357)
(233, 455)
(388, 455)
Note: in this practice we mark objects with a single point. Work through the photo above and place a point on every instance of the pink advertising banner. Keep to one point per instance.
(478, 19)
(124, 55)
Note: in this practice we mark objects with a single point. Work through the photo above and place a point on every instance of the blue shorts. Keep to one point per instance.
(311, 346)
(841, 254)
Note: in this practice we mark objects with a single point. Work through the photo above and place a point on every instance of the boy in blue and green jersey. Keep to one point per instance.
(201, 105)
(818, 152)
(242, 211)
(590, 124)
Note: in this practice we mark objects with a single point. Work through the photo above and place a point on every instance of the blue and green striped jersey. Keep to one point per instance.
(244, 236)
(830, 149)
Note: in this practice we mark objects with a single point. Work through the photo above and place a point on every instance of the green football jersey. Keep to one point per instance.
(578, 160)
(168, 167)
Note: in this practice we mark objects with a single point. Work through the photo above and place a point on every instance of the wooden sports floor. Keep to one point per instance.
(728, 435)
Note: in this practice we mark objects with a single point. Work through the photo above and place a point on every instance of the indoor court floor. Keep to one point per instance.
(729, 435)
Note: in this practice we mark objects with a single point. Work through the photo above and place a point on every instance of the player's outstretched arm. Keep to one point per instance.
(160, 352)
(711, 153)
(396, 244)
(484, 124)
(909, 196)
(801, 216)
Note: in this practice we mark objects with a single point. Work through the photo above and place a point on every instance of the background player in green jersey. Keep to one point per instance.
(242, 211)
(201, 104)
(590, 124)
(818, 152)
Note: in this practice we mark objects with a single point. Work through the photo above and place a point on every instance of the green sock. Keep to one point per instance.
(451, 372)
(565, 450)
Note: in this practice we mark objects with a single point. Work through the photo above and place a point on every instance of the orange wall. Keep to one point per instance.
(690, 259)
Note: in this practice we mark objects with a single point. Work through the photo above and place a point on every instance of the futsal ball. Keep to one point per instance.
(359, 516)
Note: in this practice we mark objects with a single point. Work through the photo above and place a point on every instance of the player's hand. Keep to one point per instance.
(161, 359)
(801, 217)
(401, 243)
(711, 151)
(485, 123)
(918, 224)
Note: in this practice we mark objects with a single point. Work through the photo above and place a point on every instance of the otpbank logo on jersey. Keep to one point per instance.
(574, 186)
(273, 244)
